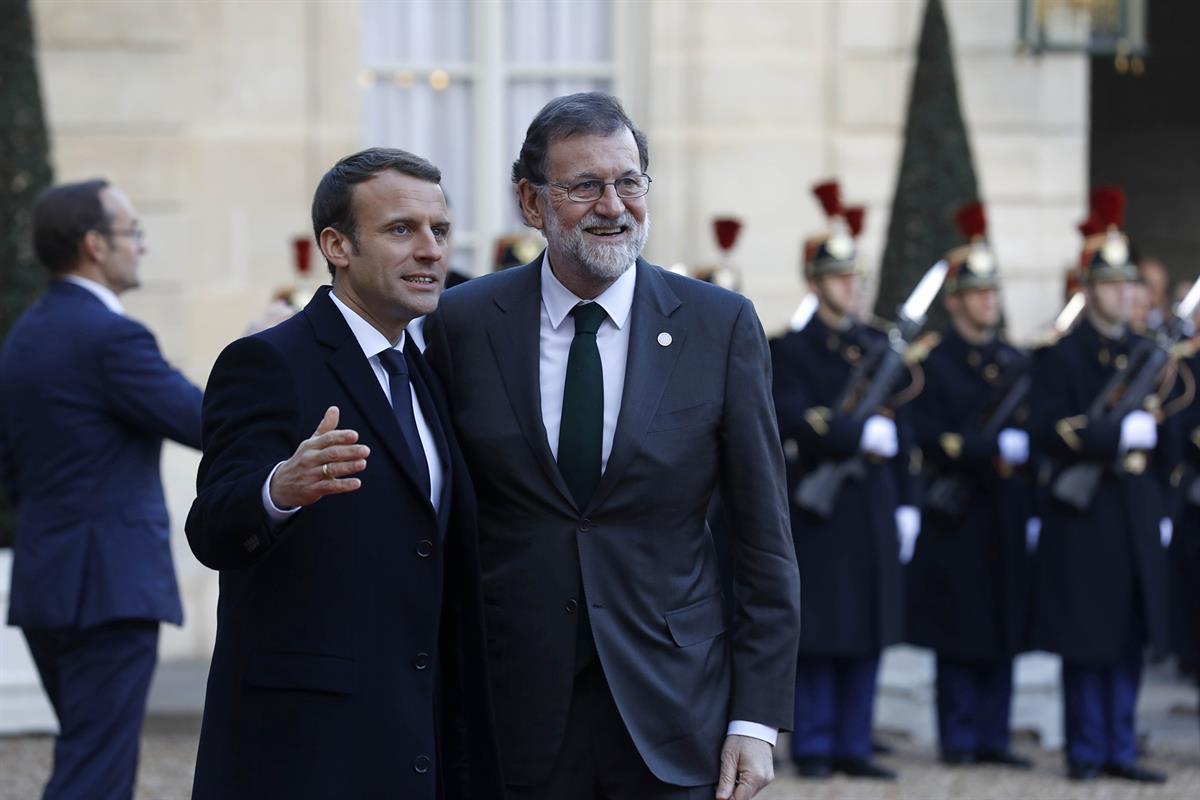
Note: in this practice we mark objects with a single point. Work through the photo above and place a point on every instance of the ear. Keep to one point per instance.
(336, 247)
(530, 201)
(93, 246)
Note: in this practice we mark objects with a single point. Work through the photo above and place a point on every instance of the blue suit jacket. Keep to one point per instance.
(345, 632)
(85, 402)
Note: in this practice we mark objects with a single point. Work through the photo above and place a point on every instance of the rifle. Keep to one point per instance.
(1125, 391)
(863, 395)
(948, 493)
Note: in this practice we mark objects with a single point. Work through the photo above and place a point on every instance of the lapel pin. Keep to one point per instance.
(664, 339)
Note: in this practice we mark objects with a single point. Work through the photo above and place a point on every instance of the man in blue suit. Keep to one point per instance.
(85, 402)
(349, 652)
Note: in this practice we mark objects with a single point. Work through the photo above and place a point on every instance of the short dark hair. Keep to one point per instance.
(62, 216)
(333, 205)
(589, 113)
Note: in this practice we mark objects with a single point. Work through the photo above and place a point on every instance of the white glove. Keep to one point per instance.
(879, 437)
(1139, 431)
(1166, 529)
(1014, 446)
(908, 527)
(1033, 532)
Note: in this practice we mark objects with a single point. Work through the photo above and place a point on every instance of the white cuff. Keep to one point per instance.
(274, 512)
(755, 731)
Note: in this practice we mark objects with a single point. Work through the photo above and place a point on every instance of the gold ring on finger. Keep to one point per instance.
(325, 471)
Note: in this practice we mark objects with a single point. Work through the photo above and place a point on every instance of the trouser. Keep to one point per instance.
(835, 701)
(1099, 704)
(598, 759)
(973, 702)
(97, 680)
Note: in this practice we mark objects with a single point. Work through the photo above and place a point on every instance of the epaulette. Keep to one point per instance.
(920, 349)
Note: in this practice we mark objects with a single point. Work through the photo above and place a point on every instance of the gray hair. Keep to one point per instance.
(589, 113)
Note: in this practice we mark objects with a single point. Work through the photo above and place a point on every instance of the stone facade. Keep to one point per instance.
(218, 118)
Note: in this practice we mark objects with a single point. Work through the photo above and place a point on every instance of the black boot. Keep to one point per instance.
(1133, 772)
(1003, 758)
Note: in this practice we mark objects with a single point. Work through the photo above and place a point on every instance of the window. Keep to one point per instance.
(458, 82)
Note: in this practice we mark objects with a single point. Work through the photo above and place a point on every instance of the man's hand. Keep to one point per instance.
(320, 466)
(746, 768)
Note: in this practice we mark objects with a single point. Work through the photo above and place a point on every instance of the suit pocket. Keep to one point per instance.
(301, 671)
(697, 622)
(692, 416)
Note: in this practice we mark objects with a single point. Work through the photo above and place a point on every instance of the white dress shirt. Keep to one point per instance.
(102, 293)
(373, 343)
(557, 333)
(612, 340)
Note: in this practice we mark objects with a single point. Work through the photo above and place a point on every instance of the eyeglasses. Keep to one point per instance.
(137, 234)
(590, 191)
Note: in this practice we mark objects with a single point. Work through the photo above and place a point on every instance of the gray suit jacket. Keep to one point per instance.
(696, 416)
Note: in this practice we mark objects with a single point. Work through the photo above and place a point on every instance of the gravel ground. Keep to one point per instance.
(169, 751)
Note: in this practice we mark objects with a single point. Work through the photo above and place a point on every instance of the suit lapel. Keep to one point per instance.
(515, 335)
(354, 372)
(648, 368)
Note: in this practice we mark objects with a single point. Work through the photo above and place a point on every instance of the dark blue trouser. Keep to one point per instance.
(1099, 703)
(973, 701)
(97, 680)
(835, 701)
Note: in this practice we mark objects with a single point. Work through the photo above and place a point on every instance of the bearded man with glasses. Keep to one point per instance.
(600, 400)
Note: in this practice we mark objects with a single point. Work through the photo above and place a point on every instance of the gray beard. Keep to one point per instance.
(602, 261)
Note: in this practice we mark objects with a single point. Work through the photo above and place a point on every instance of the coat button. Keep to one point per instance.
(570, 606)
(421, 764)
(585, 525)
(421, 660)
(424, 548)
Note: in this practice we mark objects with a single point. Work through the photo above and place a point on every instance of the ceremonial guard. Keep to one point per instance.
(1099, 592)
(968, 580)
(1185, 545)
(850, 582)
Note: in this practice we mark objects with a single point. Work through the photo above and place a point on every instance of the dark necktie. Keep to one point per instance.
(581, 429)
(398, 383)
(581, 439)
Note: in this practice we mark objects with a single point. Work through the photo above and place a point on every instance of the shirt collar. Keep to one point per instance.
(102, 292)
(369, 339)
(617, 299)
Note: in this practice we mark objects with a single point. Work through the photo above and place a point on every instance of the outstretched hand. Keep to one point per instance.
(322, 465)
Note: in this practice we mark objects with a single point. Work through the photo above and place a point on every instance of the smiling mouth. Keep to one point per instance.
(612, 230)
(420, 280)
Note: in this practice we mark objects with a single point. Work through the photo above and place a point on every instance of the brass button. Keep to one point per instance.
(991, 372)
(1104, 356)
(1121, 361)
